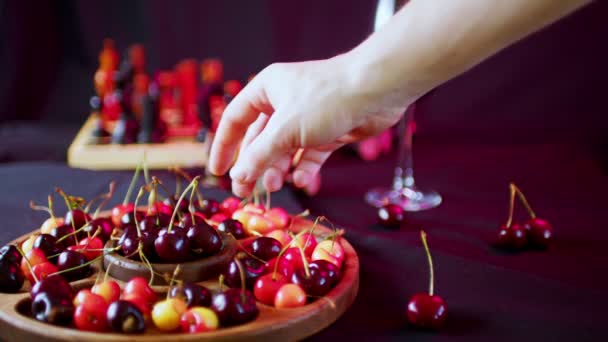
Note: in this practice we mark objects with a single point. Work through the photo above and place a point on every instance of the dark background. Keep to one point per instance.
(549, 87)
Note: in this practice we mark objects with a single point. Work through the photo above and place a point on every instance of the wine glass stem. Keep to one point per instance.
(404, 172)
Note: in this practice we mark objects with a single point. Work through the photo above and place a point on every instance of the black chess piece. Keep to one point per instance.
(127, 127)
(99, 133)
(204, 108)
(151, 129)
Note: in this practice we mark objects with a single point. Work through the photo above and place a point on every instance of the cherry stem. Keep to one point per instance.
(175, 273)
(50, 200)
(256, 197)
(139, 195)
(164, 188)
(523, 200)
(125, 201)
(27, 262)
(220, 281)
(33, 206)
(430, 260)
(304, 261)
(152, 197)
(179, 201)
(242, 274)
(108, 196)
(69, 205)
(105, 277)
(511, 206)
(191, 209)
(88, 263)
(187, 177)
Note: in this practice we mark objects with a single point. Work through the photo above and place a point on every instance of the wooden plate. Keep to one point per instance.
(271, 325)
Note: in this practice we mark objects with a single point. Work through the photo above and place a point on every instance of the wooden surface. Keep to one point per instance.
(271, 325)
(175, 152)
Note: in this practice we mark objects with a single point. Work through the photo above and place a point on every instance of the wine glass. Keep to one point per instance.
(404, 191)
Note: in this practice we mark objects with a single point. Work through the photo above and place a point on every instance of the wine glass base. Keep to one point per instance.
(407, 198)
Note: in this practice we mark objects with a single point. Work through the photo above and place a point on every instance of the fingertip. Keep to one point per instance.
(241, 190)
(273, 180)
(301, 178)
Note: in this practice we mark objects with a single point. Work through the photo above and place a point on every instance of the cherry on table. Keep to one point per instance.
(539, 232)
(125, 317)
(511, 237)
(11, 276)
(391, 215)
(234, 227)
(235, 306)
(193, 294)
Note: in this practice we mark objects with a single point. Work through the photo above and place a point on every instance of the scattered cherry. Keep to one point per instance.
(391, 215)
(513, 237)
(539, 232)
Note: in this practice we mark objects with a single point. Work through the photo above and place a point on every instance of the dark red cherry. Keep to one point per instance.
(103, 224)
(128, 219)
(233, 227)
(48, 245)
(64, 230)
(55, 285)
(327, 269)
(192, 294)
(186, 221)
(148, 238)
(11, 276)
(124, 317)
(204, 239)
(316, 284)
(79, 217)
(252, 268)
(73, 260)
(183, 206)
(391, 215)
(234, 307)
(128, 231)
(426, 311)
(538, 232)
(129, 246)
(172, 246)
(10, 253)
(52, 309)
(265, 248)
(209, 207)
(513, 237)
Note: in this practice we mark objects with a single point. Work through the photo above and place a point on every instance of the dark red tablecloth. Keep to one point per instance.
(558, 294)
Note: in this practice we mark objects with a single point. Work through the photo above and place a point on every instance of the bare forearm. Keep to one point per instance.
(430, 41)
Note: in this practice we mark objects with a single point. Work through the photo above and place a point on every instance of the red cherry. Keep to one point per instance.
(284, 267)
(35, 257)
(139, 287)
(293, 257)
(109, 290)
(230, 205)
(91, 247)
(306, 241)
(513, 237)
(199, 319)
(539, 232)
(279, 216)
(266, 287)
(391, 215)
(42, 271)
(90, 315)
(218, 218)
(144, 306)
(119, 211)
(290, 296)
(426, 311)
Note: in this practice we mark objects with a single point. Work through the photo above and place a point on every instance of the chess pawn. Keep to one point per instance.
(99, 133)
(127, 127)
(124, 76)
(137, 58)
(152, 131)
(140, 89)
(108, 62)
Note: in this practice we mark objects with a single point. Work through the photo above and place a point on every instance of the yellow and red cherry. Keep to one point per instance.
(28, 244)
(198, 320)
(42, 271)
(233, 227)
(265, 248)
(306, 241)
(125, 317)
(329, 250)
(254, 208)
(427, 310)
(167, 314)
(391, 215)
(539, 232)
(138, 287)
(235, 306)
(91, 312)
(109, 290)
(230, 205)
(260, 224)
(193, 294)
(280, 235)
(242, 216)
(289, 296)
(51, 223)
(266, 287)
(278, 216)
(11, 276)
(35, 257)
(119, 211)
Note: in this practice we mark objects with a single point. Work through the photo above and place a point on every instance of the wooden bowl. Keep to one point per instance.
(271, 325)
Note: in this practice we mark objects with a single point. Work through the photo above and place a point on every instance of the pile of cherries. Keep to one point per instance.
(535, 232)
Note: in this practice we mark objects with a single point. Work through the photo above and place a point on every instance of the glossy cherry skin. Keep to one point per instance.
(539, 232)
(204, 240)
(109, 290)
(233, 227)
(192, 294)
(91, 312)
(70, 259)
(48, 245)
(172, 246)
(290, 296)
(209, 207)
(35, 257)
(234, 307)
(91, 247)
(293, 256)
(320, 281)
(265, 248)
(138, 287)
(103, 224)
(513, 237)
(125, 317)
(426, 311)
(10, 253)
(42, 271)
(230, 205)
(55, 285)
(52, 309)
(327, 269)
(62, 231)
(79, 217)
(11, 276)
(285, 267)
(149, 223)
(183, 206)
(186, 220)
(391, 216)
(266, 287)
(199, 319)
(252, 268)
(128, 219)
(119, 211)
